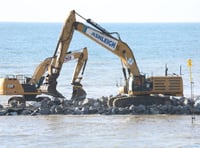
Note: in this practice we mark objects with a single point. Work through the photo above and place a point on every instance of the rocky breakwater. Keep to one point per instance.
(180, 106)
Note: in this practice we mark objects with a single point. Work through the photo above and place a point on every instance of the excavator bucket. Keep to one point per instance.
(78, 93)
(51, 90)
(50, 87)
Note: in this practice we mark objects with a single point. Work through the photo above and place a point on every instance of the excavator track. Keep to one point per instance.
(126, 101)
(17, 100)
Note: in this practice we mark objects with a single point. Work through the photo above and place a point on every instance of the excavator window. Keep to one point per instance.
(140, 84)
(136, 84)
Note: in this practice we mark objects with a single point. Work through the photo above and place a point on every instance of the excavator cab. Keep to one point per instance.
(139, 83)
(166, 85)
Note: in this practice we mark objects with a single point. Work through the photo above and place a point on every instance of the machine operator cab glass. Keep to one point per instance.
(138, 83)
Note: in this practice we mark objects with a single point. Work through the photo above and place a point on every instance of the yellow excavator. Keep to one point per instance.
(138, 89)
(44, 79)
(23, 88)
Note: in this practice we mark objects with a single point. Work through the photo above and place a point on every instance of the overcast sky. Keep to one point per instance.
(101, 10)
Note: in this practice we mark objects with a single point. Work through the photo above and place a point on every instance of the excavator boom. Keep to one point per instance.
(114, 45)
(82, 61)
(78, 92)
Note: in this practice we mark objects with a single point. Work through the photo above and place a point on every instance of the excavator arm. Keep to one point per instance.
(82, 60)
(116, 46)
(58, 58)
(39, 71)
(78, 92)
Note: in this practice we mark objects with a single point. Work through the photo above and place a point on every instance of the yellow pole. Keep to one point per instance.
(189, 63)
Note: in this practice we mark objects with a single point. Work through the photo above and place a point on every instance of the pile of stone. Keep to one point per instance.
(182, 105)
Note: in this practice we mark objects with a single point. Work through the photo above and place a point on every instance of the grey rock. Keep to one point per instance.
(101, 110)
(179, 105)
(92, 110)
(88, 102)
(57, 101)
(44, 111)
(114, 110)
(140, 109)
(131, 108)
(35, 112)
(85, 110)
(25, 112)
(187, 109)
(153, 110)
(163, 109)
(77, 111)
(68, 110)
(3, 112)
(59, 109)
(1, 107)
(52, 109)
(103, 101)
(123, 111)
(67, 103)
(44, 104)
(13, 113)
(34, 105)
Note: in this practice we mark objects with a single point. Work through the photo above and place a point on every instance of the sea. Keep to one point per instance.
(23, 46)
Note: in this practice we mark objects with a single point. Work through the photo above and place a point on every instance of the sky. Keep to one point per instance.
(101, 10)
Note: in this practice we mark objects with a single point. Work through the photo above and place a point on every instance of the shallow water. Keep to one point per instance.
(24, 45)
(99, 131)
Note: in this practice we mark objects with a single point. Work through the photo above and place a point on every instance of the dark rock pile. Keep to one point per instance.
(99, 106)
